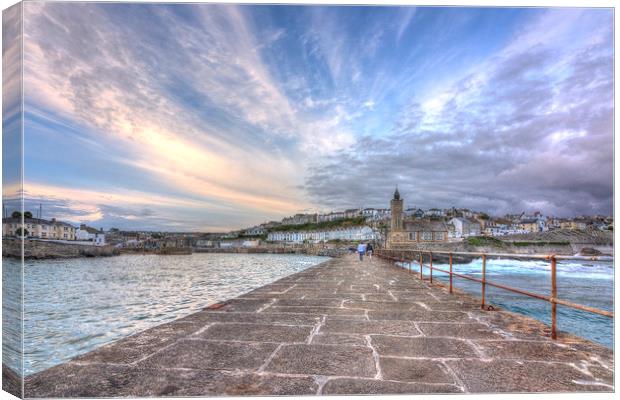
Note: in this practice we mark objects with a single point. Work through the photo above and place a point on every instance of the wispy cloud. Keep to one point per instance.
(256, 112)
(404, 22)
(529, 128)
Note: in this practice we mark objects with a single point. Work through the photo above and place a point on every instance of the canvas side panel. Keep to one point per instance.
(12, 200)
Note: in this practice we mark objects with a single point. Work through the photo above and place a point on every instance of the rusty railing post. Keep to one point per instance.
(431, 265)
(411, 264)
(421, 272)
(450, 273)
(554, 295)
(484, 278)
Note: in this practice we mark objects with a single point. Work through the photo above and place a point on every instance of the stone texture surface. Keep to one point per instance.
(373, 386)
(342, 327)
(480, 376)
(324, 360)
(410, 370)
(204, 354)
(257, 333)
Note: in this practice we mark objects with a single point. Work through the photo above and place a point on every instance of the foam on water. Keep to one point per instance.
(584, 282)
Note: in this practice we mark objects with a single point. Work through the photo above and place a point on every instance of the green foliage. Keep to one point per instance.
(16, 214)
(483, 216)
(484, 241)
(19, 232)
(540, 243)
(341, 223)
(27, 214)
(252, 237)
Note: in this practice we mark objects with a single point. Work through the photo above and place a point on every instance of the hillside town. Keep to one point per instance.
(379, 225)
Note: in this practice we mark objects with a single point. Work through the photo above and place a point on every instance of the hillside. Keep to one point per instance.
(571, 236)
(327, 225)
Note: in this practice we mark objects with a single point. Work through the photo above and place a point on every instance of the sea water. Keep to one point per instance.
(72, 306)
(588, 283)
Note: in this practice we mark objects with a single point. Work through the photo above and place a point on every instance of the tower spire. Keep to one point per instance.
(396, 194)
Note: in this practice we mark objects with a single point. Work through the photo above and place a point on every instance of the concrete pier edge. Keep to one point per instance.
(341, 327)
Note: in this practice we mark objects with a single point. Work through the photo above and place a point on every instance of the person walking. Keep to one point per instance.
(369, 251)
(361, 249)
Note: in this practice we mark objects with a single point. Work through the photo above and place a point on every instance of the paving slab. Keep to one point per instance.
(422, 347)
(89, 381)
(339, 338)
(244, 305)
(204, 354)
(421, 316)
(208, 317)
(459, 330)
(324, 360)
(308, 302)
(257, 332)
(410, 370)
(529, 350)
(314, 310)
(373, 386)
(513, 376)
(140, 345)
(382, 305)
(402, 328)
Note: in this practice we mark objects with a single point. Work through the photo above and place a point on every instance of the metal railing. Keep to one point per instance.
(411, 256)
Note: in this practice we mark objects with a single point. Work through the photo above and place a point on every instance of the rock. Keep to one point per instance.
(588, 251)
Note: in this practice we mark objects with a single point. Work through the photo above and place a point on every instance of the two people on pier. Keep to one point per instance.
(364, 248)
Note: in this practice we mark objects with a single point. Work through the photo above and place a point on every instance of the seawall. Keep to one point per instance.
(38, 249)
(503, 247)
(341, 327)
(308, 250)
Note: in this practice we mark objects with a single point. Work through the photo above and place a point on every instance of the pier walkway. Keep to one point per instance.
(341, 327)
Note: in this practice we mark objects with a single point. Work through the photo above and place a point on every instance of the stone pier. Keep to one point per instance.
(342, 327)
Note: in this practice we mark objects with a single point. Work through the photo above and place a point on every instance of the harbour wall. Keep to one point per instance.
(38, 249)
(586, 249)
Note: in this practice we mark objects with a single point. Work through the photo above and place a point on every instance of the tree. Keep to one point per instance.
(16, 214)
(21, 232)
(27, 214)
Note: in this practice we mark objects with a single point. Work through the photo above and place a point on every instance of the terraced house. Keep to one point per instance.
(38, 228)
(352, 233)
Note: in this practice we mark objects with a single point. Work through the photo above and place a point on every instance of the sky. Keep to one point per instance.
(195, 117)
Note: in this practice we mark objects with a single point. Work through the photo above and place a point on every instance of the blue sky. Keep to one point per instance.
(216, 117)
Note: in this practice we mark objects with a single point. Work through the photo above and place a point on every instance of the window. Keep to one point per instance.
(413, 236)
(439, 236)
(427, 235)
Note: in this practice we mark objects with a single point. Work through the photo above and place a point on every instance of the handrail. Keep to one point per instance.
(393, 255)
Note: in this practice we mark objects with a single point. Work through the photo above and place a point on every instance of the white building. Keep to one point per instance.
(464, 227)
(435, 212)
(89, 234)
(332, 216)
(38, 228)
(300, 219)
(351, 233)
(254, 231)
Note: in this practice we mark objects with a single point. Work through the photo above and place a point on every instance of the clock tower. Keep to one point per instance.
(396, 206)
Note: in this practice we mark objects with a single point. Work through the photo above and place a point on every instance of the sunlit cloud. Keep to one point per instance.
(242, 114)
